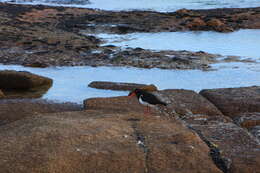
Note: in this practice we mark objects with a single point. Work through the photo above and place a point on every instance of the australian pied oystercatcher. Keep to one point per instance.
(146, 98)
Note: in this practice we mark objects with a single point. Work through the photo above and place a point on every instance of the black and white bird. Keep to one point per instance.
(146, 98)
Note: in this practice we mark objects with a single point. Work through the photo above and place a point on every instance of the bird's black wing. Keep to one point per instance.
(152, 99)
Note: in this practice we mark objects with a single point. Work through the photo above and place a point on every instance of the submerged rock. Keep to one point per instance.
(120, 86)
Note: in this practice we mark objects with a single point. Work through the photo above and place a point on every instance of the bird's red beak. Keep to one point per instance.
(132, 94)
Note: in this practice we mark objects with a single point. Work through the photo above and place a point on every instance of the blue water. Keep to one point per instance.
(155, 5)
(71, 83)
(240, 43)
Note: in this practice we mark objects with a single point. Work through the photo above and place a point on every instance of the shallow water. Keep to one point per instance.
(241, 43)
(155, 5)
(70, 83)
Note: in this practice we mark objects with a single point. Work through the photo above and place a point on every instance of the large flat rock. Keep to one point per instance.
(94, 141)
(12, 110)
(234, 101)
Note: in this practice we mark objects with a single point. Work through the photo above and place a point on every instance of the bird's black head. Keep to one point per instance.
(136, 92)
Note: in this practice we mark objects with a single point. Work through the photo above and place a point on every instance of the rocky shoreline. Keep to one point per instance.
(42, 36)
(212, 126)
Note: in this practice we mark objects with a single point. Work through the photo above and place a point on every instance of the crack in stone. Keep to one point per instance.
(222, 163)
(141, 142)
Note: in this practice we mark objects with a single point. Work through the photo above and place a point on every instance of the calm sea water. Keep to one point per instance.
(240, 43)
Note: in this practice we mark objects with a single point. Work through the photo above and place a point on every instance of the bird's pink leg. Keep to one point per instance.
(147, 110)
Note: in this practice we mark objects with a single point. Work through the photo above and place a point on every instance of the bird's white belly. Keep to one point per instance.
(145, 103)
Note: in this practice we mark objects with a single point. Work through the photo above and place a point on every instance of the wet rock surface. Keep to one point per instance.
(119, 85)
(42, 36)
(21, 84)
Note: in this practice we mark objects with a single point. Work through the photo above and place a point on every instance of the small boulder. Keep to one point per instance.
(233, 102)
(120, 86)
(10, 79)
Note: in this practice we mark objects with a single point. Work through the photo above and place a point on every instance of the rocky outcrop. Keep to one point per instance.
(234, 101)
(13, 110)
(120, 86)
(232, 148)
(94, 141)
(72, 43)
(20, 84)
